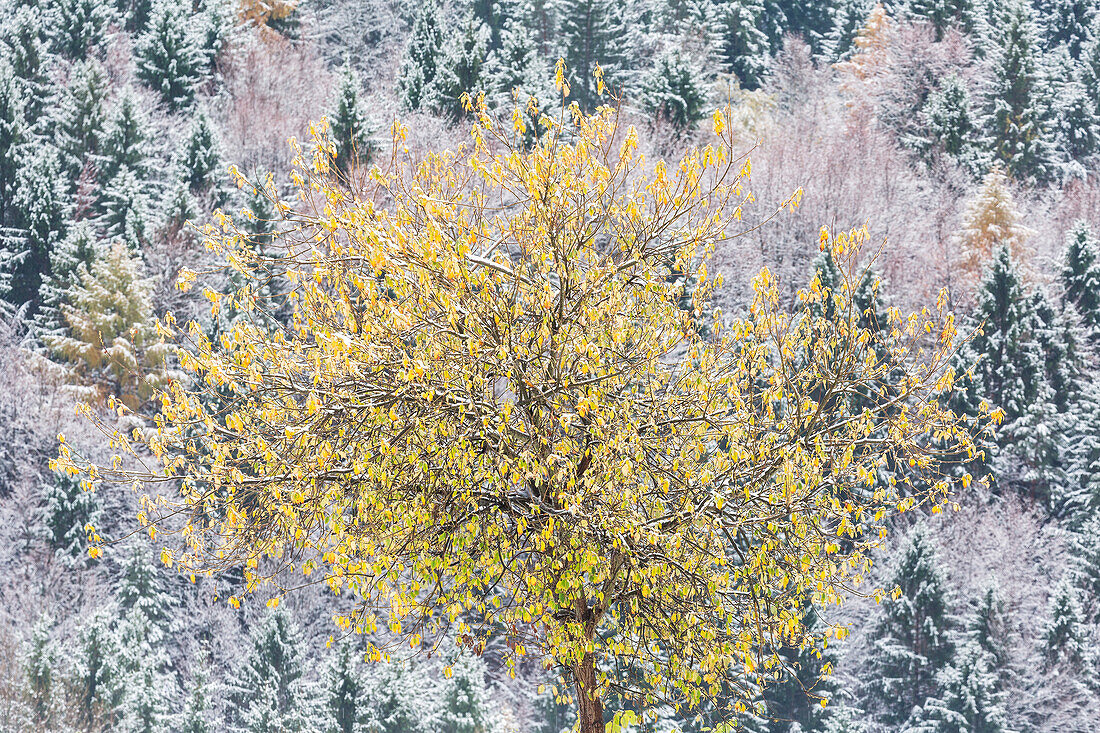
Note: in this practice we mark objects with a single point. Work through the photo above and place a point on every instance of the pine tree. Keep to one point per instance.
(96, 677)
(78, 249)
(345, 706)
(268, 690)
(991, 220)
(201, 156)
(400, 700)
(416, 84)
(943, 14)
(794, 700)
(40, 672)
(911, 638)
(168, 59)
(125, 139)
(125, 210)
(348, 123)
(42, 206)
(744, 46)
(80, 26)
(216, 21)
(1017, 116)
(1086, 553)
(674, 91)
(460, 68)
(1064, 635)
(145, 702)
(136, 14)
(140, 587)
(591, 33)
(83, 116)
(68, 510)
(466, 696)
(988, 628)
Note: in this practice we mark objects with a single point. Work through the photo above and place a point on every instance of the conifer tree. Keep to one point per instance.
(125, 209)
(911, 639)
(201, 156)
(140, 587)
(1078, 124)
(868, 61)
(744, 46)
(794, 701)
(399, 700)
(136, 14)
(950, 122)
(1017, 116)
(466, 696)
(83, 116)
(96, 676)
(674, 90)
(40, 671)
(516, 67)
(1064, 636)
(80, 26)
(268, 689)
(42, 206)
(943, 14)
(1086, 552)
(591, 33)
(125, 139)
(417, 84)
(216, 20)
(460, 69)
(988, 628)
(345, 707)
(13, 135)
(30, 59)
(168, 59)
(68, 510)
(78, 249)
(991, 220)
(848, 17)
(196, 713)
(971, 700)
(348, 122)
(1068, 23)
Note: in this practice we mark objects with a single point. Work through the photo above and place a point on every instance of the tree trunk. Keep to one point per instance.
(589, 706)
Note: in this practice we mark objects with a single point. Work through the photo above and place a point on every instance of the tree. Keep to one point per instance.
(848, 18)
(516, 70)
(124, 205)
(168, 60)
(573, 470)
(345, 706)
(591, 33)
(96, 676)
(862, 69)
(950, 123)
(674, 91)
(126, 139)
(201, 156)
(40, 670)
(971, 701)
(991, 220)
(1017, 112)
(466, 696)
(1064, 637)
(13, 135)
(348, 123)
(911, 640)
(400, 700)
(68, 510)
(1068, 23)
(943, 14)
(80, 26)
(30, 59)
(82, 116)
(267, 694)
(744, 47)
(1078, 124)
(416, 84)
(460, 69)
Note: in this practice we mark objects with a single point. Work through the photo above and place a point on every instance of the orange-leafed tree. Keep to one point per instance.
(494, 412)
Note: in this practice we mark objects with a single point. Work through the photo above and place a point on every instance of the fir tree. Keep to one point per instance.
(517, 68)
(216, 21)
(971, 700)
(201, 156)
(140, 587)
(344, 703)
(125, 210)
(950, 122)
(399, 700)
(196, 712)
(125, 140)
(466, 696)
(82, 123)
(911, 639)
(848, 17)
(40, 672)
(96, 677)
(348, 123)
(943, 14)
(13, 135)
(591, 33)
(168, 60)
(136, 14)
(1078, 125)
(1064, 636)
(42, 207)
(460, 69)
(77, 250)
(674, 91)
(145, 702)
(991, 220)
(68, 510)
(1017, 110)
(80, 26)
(416, 84)
(988, 628)
(744, 46)
(1086, 552)
(811, 20)
(1068, 23)
(24, 33)
(268, 694)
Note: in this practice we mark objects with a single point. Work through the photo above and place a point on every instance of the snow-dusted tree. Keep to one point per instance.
(111, 342)
(96, 677)
(348, 125)
(991, 220)
(516, 69)
(943, 14)
(400, 699)
(267, 694)
(201, 159)
(168, 58)
(1078, 125)
(865, 66)
(591, 32)
(1068, 23)
(911, 638)
(971, 700)
(460, 68)
(67, 510)
(145, 704)
(40, 671)
(79, 26)
(987, 626)
(674, 90)
(1064, 635)
(795, 699)
(126, 139)
(744, 47)
(125, 208)
(216, 20)
(140, 586)
(83, 116)
(136, 14)
(345, 706)
(950, 122)
(416, 83)
(13, 135)
(42, 205)
(465, 696)
(196, 711)
(1016, 121)
(24, 33)
(78, 249)
(848, 18)
(1086, 552)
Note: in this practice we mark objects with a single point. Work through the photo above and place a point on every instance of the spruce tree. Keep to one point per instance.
(13, 136)
(216, 21)
(1068, 23)
(41, 674)
(268, 693)
(460, 68)
(971, 700)
(1017, 110)
(96, 677)
(950, 121)
(125, 210)
(988, 628)
(1064, 636)
(80, 26)
(400, 699)
(416, 83)
(795, 699)
(943, 14)
(136, 14)
(345, 707)
(848, 18)
(1086, 553)
(168, 59)
(1078, 124)
(83, 116)
(30, 59)
(911, 638)
(466, 696)
(196, 711)
(515, 70)
(78, 250)
(201, 160)
(125, 139)
(744, 47)
(68, 510)
(348, 123)
(674, 91)
(591, 33)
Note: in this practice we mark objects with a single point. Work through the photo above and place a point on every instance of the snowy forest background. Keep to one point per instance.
(966, 133)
